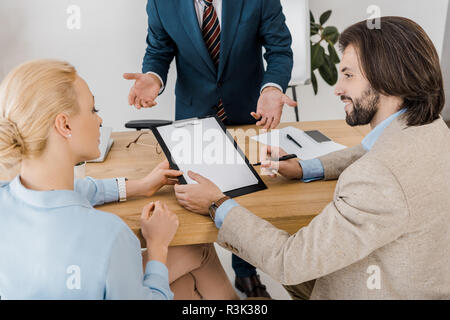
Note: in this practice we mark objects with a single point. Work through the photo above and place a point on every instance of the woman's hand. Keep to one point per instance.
(160, 176)
(290, 169)
(198, 197)
(159, 225)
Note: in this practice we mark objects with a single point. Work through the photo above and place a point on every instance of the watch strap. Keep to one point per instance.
(221, 200)
(215, 205)
(121, 184)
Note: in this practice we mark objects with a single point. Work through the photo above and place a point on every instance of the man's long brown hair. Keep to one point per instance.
(400, 60)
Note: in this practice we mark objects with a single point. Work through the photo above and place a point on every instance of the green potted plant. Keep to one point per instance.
(321, 60)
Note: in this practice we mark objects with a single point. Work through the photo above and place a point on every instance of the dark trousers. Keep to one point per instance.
(242, 268)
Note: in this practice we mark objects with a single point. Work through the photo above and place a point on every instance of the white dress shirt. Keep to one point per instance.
(200, 8)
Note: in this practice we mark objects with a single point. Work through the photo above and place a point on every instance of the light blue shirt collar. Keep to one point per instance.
(47, 199)
(373, 135)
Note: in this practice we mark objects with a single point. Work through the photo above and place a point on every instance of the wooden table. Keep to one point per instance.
(288, 205)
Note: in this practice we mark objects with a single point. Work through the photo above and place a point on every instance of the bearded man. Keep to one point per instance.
(385, 234)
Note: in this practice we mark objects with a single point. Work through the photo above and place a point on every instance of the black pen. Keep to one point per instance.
(283, 158)
(293, 140)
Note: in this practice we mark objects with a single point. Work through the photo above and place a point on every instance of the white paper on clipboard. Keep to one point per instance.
(202, 146)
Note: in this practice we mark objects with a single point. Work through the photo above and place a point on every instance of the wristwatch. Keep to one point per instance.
(215, 205)
(121, 184)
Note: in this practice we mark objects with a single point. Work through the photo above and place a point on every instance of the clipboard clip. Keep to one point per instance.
(186, 122)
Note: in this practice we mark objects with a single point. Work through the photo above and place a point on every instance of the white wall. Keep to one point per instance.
(111, 41)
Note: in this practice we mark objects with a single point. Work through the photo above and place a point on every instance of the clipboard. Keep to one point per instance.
(234, 180)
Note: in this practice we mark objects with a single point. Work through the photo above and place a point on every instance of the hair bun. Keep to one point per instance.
(12, 145)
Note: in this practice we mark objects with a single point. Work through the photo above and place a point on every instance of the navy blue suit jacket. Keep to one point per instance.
(247, 26)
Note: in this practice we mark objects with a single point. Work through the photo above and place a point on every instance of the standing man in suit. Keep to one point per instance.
(218, 49)
(385, 235)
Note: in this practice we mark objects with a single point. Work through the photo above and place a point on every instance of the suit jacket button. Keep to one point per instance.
(219, 84)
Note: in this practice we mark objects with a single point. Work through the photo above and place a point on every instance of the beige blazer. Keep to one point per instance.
(336, 162)
(385, 235)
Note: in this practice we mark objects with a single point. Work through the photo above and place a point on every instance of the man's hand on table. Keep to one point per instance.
(144, 91)
(290, 169)
(198, 197)
(270, 107)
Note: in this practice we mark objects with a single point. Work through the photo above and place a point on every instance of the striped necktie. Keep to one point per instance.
(211, 36)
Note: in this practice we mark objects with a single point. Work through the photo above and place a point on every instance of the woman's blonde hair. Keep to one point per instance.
(31, 96)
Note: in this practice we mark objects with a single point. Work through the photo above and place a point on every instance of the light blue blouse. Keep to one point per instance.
(55, 245)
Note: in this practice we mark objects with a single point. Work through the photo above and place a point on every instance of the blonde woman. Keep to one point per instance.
(53, 243)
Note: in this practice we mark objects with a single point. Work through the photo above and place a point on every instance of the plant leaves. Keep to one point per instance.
(317, 56)
(324, 17)
(328, 71)
(334, 71)
(314, 82)
(311, 17)
(314, 29)
(331, 34)
(326, 63)
(325, 72)
(333, 54)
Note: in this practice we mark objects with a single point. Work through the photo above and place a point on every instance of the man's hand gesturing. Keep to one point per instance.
(270, 107)
(145, 90)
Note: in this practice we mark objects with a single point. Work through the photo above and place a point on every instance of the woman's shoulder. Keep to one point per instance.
(98, 217)
(107, 228)
(105, 222)
(107, 218)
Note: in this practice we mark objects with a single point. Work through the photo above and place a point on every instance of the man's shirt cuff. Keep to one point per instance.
(271, 84)
(160, 79)
(312, 170)
(223, 210)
